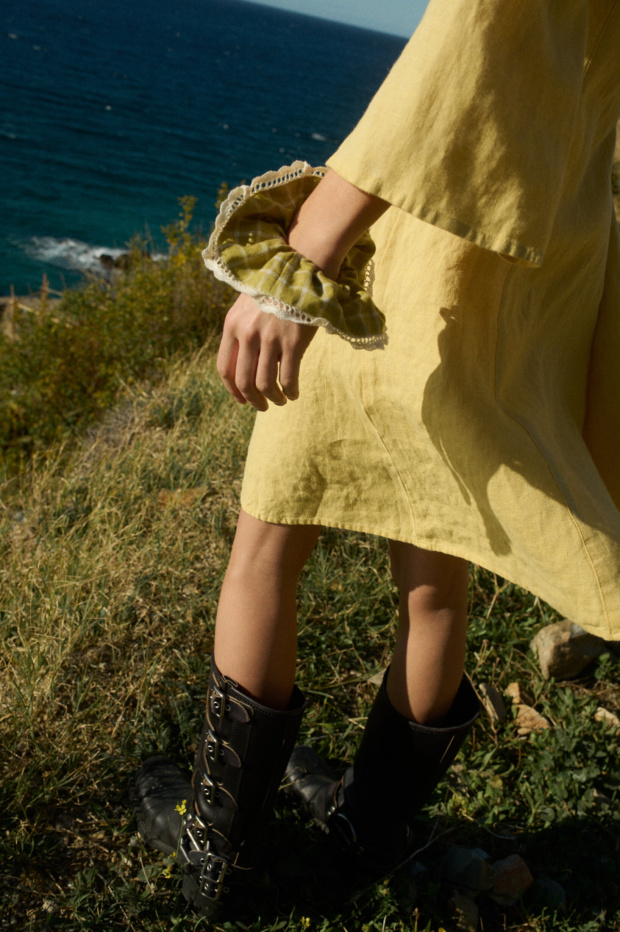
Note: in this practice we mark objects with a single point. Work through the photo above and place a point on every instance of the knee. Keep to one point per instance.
(271, 549)
(429, 581)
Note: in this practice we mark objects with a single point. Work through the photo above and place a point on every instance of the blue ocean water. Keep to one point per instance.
(109, 112)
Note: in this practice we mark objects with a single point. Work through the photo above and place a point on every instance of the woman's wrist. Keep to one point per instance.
(331, 221)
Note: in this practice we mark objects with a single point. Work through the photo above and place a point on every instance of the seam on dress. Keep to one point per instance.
(563, 498)
(394, 466)
(599, 38)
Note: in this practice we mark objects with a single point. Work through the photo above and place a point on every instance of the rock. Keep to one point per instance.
(511, 879)
(610, 718)
(529, 720)
(465, 912)
(408, 876)
(106, 260)
(493, 703)
(518, 695)
(467, 868)
(124, 261)
(564, 649)
(549, 893)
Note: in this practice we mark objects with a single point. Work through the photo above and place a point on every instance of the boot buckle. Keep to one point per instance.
(212, 875)
(218, 703)
(213, 746)
(196, 832)
(208, 788)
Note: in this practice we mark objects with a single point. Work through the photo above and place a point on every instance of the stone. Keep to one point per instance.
(106, 260)
(493, 703)
(549, 893)
(511, 880)
(408, 876)
(609, 718)
(464, 911)
(467, 868)
(518, 695)
(529, 720)
(564, 649)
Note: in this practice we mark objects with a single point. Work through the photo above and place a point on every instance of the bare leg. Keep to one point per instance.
(429, 656)
(256, 627)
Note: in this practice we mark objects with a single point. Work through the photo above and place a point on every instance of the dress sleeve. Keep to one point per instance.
(471, 130)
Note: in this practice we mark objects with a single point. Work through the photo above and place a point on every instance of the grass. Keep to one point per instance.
(114, 535)
(111, 562)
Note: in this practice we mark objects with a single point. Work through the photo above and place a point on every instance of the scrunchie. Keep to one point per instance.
(248, 249)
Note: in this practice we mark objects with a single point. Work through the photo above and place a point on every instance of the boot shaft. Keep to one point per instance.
(400, 762)
(243, 751)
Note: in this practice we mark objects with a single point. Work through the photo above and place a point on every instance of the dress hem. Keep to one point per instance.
(603, 631)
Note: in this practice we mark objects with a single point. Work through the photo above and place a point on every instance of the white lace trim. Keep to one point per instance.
(270, 305)
(243, 193)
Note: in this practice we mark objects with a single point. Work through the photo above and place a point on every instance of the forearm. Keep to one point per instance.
(331, 221)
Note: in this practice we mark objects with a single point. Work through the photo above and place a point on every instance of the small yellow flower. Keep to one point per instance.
(305, 921)
(168, 871)
(181, 808)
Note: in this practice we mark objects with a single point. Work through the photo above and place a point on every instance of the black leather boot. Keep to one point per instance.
(372, 808)
(216, 824)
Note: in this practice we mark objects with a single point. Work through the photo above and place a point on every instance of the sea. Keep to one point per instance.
(110, 112)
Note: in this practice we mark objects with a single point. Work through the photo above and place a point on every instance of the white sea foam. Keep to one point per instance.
(71, 253)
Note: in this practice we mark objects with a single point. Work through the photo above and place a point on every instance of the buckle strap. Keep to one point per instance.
(217, 701)
(221, 707)
(211, 881)
(217, 750)
(195, 831)
(208, 788)
(213, 746)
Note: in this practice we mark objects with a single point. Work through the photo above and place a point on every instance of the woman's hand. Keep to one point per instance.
(260, 355)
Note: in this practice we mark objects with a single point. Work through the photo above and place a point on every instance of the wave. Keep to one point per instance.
(72, 254)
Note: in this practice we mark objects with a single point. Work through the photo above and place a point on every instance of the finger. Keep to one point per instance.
(289, 374)
(227, 364)
(267, 372)
(290, 361)
(245, 374)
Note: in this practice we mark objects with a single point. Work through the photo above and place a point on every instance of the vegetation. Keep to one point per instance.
(113, 542)
(63, 364)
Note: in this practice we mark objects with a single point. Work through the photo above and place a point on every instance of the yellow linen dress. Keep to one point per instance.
(489, 426)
